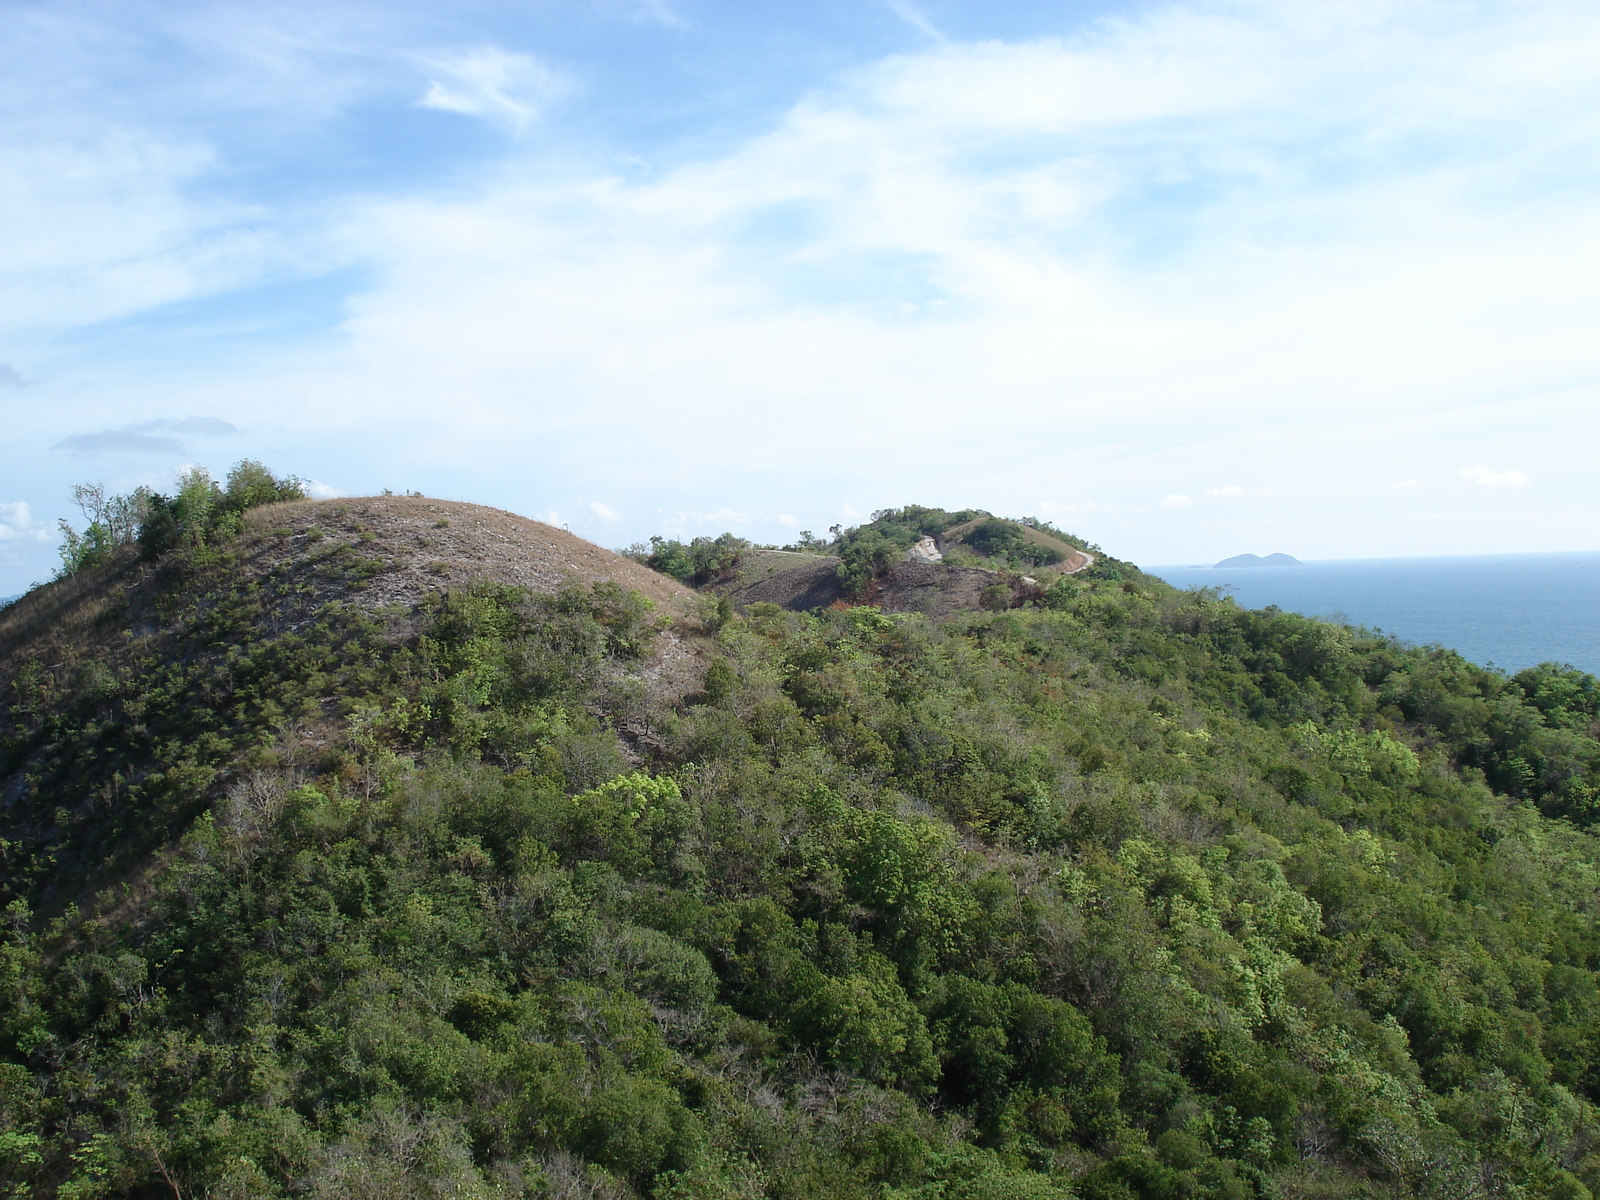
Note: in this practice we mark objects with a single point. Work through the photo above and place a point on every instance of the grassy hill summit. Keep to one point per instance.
(1018, 544)
(911, 559)
(399, 848)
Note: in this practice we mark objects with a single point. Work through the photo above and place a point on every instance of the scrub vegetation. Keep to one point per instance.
(1123, 892)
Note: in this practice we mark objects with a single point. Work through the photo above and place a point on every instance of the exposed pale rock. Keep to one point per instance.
(925, 551)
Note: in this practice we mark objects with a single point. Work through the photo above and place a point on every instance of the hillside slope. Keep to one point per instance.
(216, 648)
(969, 536)
(987, 561)
(373, 552)
(433, 545)
(804, 582)
(321, 881)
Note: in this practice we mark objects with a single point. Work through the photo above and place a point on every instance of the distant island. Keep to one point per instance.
(1255, 560)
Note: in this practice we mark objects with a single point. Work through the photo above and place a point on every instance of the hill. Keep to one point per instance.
(1014, 543)
(224, 639)
(913, 559)
(372, 552)
(348, 853)
(1256, 560)
(804, 582)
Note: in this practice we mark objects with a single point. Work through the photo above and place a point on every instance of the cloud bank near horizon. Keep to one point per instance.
(1198, 277)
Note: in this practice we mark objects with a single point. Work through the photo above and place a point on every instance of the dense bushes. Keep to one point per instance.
(703, 560)
(1133, 894)
(1004, 540)
(201, 511)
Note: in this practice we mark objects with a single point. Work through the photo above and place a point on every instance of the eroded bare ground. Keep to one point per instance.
(937, 589)
(799, 582)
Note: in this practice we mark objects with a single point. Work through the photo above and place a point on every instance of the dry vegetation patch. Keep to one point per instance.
(431, 545)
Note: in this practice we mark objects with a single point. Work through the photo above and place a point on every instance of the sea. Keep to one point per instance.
(1503, 610)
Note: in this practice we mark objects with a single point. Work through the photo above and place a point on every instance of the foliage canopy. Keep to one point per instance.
(200, 511)
(1128, 893)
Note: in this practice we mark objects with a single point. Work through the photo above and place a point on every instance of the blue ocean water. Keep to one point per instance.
(1506, 610)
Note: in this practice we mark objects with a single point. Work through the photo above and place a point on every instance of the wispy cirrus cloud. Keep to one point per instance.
(913, 16)
(1201, 207)
(492, 83)
(1194, 241)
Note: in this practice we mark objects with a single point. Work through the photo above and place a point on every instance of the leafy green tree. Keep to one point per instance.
(113, 522)
(1005, 540)
(203, 512)
(703, 560)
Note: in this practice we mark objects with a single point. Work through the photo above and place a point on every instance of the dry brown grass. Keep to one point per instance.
(411, 547)
(65, 620)
(439, 544)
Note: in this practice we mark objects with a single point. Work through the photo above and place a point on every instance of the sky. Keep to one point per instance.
(1187, 279)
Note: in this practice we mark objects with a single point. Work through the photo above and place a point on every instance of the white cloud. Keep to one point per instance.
(1486, 477)
(1134, 241)
(1406, 484)
(111, 152)
(105, 225)
(1231, 489)
(1057, 278)
(17, 524)
(788, 522)
(490, 82)
(604, 512)
(322, 491)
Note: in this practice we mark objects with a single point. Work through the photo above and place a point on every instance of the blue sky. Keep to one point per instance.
(1189, 279)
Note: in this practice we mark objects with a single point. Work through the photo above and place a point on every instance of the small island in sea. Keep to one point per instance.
(1255, 560)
